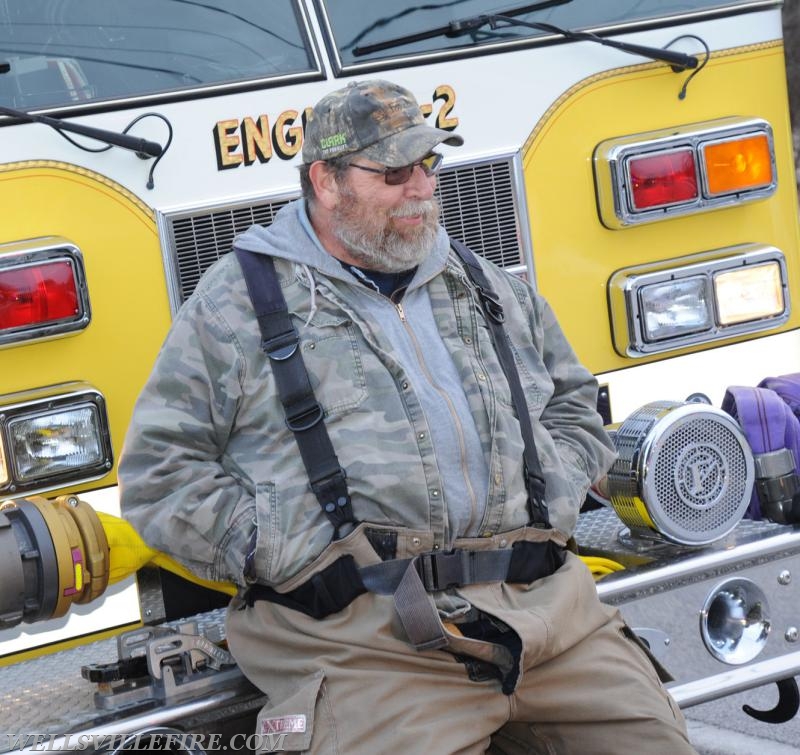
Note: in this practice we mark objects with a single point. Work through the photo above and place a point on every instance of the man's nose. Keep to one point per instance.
(420, 186)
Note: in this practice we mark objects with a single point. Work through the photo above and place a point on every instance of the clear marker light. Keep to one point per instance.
(749, 293)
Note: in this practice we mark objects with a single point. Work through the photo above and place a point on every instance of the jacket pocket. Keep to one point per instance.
(289, 725)
(526, 366)
(289, 536)
(331, 351)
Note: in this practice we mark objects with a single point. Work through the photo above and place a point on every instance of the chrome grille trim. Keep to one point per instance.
(479, 206)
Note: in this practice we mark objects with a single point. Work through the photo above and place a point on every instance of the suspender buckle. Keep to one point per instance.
(438, 571)
(304, 418)
(491, 304)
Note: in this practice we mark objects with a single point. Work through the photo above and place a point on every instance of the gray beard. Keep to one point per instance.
(384, 249)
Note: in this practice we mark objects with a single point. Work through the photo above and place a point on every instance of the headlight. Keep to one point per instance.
(705, 297)
(55, 442)
(675, 308)
(57, 436)
(749, 293)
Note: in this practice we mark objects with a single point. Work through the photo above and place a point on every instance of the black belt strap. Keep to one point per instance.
(304, 415)
(335, 587)
(493, 310)
(439, 571)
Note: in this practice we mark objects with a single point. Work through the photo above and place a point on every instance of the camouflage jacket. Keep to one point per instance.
(209, 465)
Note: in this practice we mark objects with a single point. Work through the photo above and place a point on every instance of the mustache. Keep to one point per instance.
(424, 207)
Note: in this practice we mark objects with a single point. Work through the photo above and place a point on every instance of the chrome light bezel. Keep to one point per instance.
(22, 254)
(41, 402)
(718, 621)
(612, 157)
(625, 306)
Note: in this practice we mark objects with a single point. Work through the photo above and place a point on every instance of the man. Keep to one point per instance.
(417, 600)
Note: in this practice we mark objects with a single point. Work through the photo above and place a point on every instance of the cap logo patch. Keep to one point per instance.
(389, 110)
(330, 142)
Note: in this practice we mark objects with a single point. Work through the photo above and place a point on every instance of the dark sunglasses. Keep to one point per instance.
(430, 165)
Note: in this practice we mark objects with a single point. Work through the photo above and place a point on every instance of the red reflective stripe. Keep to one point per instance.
(37, 294)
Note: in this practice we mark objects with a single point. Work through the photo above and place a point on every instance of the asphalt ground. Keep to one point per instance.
(710, 740)
(722, 728)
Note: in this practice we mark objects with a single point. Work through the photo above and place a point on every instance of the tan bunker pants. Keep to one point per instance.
(350, 684)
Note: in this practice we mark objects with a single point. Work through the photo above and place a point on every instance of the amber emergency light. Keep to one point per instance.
(739, 164)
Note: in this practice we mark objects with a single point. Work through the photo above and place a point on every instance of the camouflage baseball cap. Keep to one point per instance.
(377, 119)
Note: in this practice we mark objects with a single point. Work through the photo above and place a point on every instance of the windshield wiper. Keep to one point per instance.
(448, 31)
(678, 60)
(141, 147)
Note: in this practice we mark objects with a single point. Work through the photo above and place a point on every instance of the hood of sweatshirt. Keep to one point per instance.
(292, 237)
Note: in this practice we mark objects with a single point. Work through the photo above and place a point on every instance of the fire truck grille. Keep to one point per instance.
(479, 207)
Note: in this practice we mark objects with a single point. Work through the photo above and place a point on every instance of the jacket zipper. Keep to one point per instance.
(461, 445)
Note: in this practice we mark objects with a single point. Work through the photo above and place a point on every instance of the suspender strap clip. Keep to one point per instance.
(331, 492)
(304, 416)
(536, 501)
(490, 302)
(282, 346)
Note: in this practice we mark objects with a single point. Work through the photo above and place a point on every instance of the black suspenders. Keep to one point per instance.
(333, 588)
(492, 309)
(304, 415)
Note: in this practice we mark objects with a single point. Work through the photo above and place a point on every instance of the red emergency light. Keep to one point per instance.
(663, 179)
(42, 291)
(38, 294)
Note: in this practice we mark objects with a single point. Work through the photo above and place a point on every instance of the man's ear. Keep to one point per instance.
(323, 179)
